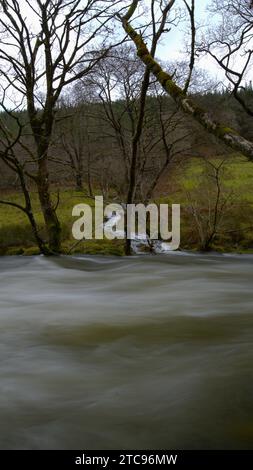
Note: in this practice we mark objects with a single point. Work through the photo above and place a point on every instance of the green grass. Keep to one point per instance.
(196, 186)
(16, 236)
(237, 176)
(190, 180)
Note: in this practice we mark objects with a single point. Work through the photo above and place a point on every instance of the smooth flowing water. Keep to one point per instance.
(148, 352)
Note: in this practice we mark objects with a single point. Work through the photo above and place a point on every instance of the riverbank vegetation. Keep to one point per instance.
(192, 185)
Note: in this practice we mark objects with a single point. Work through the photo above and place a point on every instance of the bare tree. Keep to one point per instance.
(9, 146)
(119, 83)
(45, 47)
(209, 220)
(71, 139)
(187, 104)
(230, 43)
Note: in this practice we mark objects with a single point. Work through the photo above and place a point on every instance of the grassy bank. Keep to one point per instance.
(193, 186)
(16, 236)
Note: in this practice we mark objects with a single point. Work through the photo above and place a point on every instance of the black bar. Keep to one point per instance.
(102, 459)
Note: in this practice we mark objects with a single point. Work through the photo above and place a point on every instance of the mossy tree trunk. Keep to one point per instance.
(49, 213)
(224, 133)
(48, 56)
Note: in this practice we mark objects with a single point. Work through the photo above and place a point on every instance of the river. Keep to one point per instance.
(149, 352)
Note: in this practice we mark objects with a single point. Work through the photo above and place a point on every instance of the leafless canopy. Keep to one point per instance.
(230, 43)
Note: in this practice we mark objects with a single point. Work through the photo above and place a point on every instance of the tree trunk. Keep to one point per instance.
(89, 178)
(50, 217)
(79, 181)
(40, 243)
(29, 212)
(128, 247)
(225, 134)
